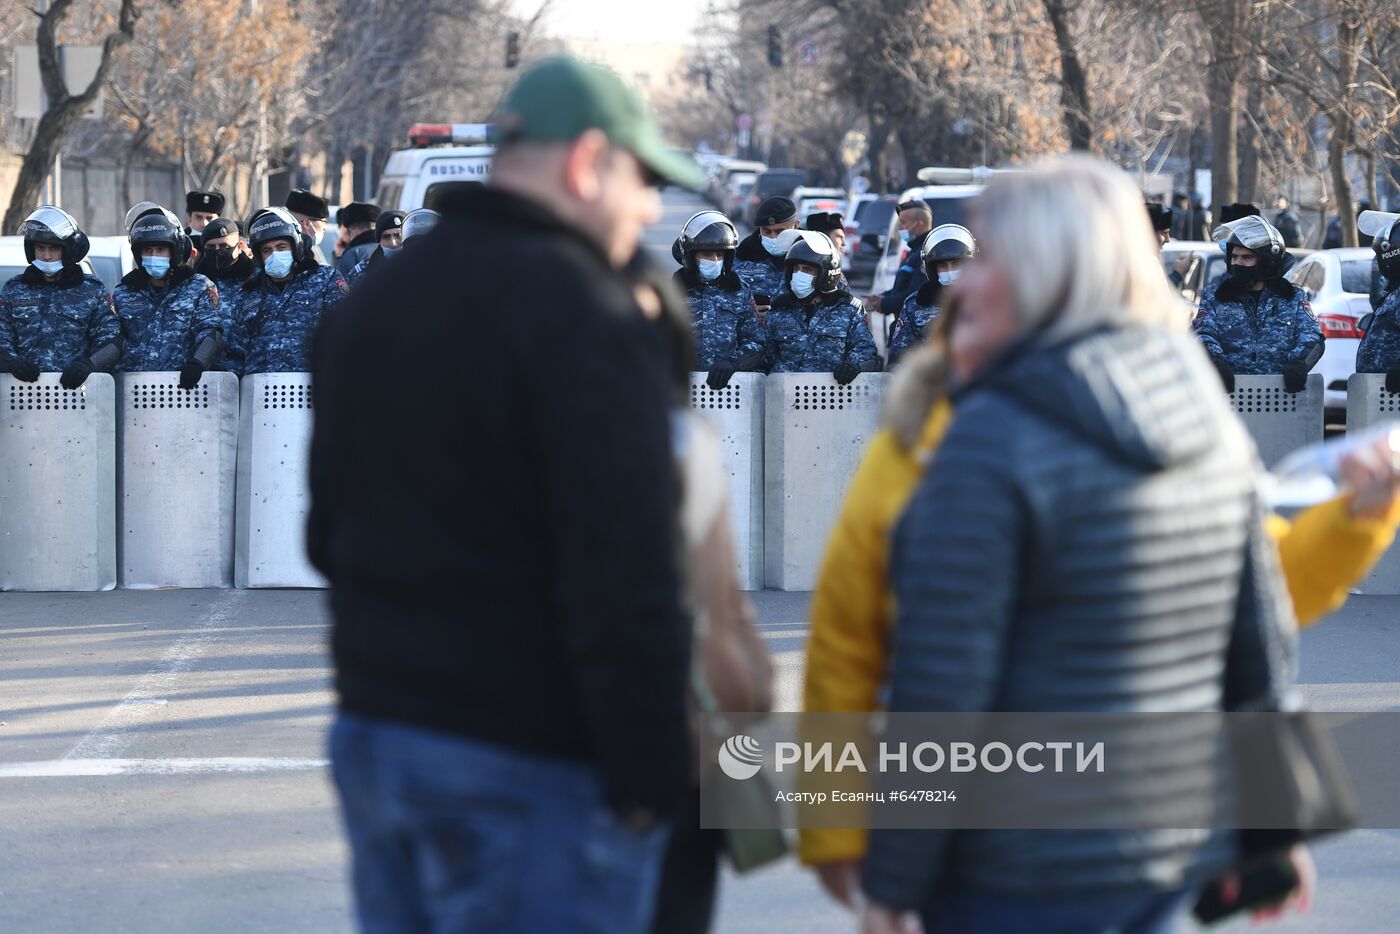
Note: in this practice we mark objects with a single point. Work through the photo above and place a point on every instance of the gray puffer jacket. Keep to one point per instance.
(1087, 539)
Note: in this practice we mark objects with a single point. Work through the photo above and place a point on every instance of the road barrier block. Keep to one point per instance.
(58, 509)
(177, 462)
(1280, 422)
(274, 496)
(815, 434)
(736, 412)
(1368, 404)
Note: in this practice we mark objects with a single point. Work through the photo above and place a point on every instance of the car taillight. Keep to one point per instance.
(1339, 326)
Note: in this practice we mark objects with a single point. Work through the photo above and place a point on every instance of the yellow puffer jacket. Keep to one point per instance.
(1323, 552)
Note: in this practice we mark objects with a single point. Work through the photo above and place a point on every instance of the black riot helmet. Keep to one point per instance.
(160, 227)
(946, 243)
(54, 225)
(1254, 233)
(1383, 227)
(419, 221)
(815, 249)
(275, 224)
(708, 232)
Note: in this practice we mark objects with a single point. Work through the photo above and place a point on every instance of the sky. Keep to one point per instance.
(619, 20)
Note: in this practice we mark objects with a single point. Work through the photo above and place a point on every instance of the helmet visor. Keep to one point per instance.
(699, 222)
(1252, 233)
(59, 222)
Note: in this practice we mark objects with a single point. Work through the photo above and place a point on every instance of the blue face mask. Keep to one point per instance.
(49, 268)
(157, 267)
(390, 250)
(803, 284)
(711, 269)
(278, 264)
(904, 235)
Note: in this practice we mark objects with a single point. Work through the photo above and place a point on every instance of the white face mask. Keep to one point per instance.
(949, 277)
(774, 245)
(803, 284)
(711, 269)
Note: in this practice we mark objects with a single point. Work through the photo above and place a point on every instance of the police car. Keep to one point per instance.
(444, 157)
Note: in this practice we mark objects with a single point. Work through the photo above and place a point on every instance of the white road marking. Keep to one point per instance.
(77, 768)
(113, 733)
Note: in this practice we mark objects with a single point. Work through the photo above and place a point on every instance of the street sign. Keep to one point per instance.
(79, 64)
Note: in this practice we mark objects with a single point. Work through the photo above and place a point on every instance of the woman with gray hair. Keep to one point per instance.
(1087, 540)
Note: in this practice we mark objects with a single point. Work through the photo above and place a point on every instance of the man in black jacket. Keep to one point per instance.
(498, 528)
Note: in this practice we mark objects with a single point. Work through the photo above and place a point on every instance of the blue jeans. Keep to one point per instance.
(452, 835)
(971, 911)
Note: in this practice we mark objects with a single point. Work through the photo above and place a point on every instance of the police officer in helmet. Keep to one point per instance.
(944, 251)
(171, 316)
(815, 326)
(276, 310)
(1379, 350)
(1252, 320)
(53, 316)
(727, 333)
(418, 222)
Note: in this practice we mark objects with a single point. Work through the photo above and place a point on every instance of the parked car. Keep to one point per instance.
(1338, 285)
(111, 258)
(770, 183)
(818, 201)
(724, 172)
(866, 243)
(740, 184)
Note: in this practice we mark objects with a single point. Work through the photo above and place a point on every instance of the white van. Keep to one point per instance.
(444, 157)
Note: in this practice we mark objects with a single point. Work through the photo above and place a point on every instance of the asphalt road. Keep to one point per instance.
(161, 762)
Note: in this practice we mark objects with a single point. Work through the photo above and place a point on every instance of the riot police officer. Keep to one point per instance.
(356, 222)
(727, 334)
(1252, 320)
(224, 258)
(171, 317)
(388, 231)
(815, 326)
(1379, 350)
(760, 257)
(418, 222)
(53, 316)
(945, 250)
(276, 310)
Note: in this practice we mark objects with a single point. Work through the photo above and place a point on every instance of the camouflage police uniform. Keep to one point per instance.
(274, 322)
(815, 337)
(1258, 333)
(51, 324)
(164, 326)
(760, 271)
(1379, 350)
(722, 316)
(915, 319)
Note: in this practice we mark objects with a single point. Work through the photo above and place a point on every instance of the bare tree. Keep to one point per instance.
(64, 108)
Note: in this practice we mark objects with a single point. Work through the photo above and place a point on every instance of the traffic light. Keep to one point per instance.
(512, 50)
(775, 47)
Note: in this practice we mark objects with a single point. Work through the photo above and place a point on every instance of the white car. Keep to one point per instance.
(1338, 285)
(444, 157)
(111, 259)
(740, 184)
(818, 201)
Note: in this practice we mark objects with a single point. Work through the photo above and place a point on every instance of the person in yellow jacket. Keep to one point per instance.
(1325, 551)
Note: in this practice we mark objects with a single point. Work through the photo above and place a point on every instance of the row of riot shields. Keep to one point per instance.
(130, 481)
(133, 482)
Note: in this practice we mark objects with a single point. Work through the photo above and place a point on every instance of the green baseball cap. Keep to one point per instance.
(561, 98)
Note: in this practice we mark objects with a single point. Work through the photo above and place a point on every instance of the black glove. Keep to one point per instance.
(21, 369)
(845, 372)
(75, 373)
(190, 374)
(1295, 377)
(1392, 380)
(719, 376)
(1227, 373)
